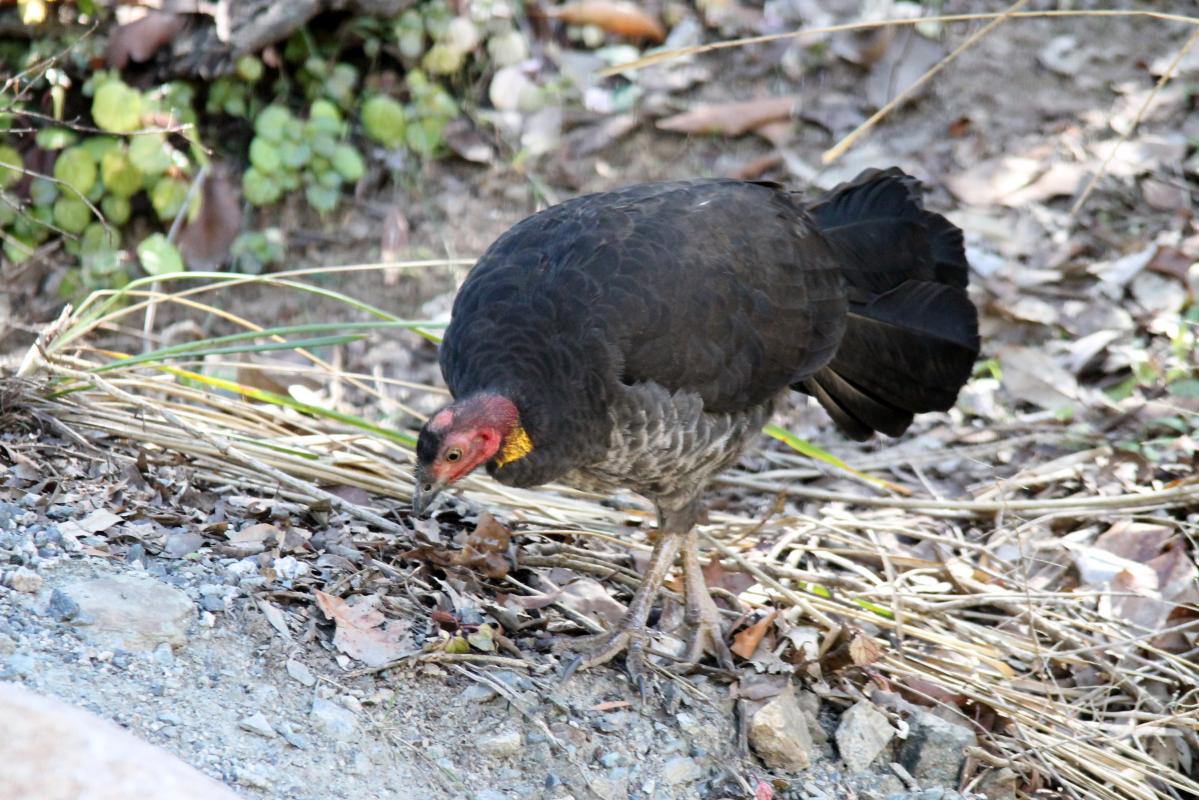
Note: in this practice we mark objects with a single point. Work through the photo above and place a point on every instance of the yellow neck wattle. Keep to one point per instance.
(516, 446)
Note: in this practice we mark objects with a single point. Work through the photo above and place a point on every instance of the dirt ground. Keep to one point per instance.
(277, 712)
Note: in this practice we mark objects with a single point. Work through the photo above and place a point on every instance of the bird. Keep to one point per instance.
(639, 339)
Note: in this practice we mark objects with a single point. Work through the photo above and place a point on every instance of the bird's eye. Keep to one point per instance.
(453, 455)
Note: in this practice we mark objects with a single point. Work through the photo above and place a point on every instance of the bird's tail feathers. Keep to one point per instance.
(912, 333)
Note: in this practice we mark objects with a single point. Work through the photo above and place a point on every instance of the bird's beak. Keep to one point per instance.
(424, 492)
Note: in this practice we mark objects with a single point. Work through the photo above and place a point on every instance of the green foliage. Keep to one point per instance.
(117, 107)
(158, 256)
(383, 120)
(76, 168)
(12, 173)
(253, 251)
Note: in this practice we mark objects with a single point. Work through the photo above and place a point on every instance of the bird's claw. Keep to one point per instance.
(628, 638)
(702, 616)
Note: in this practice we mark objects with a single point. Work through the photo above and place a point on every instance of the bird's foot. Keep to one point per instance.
(629, 638)
(702, 616)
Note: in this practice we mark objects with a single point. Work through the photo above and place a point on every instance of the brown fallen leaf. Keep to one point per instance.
(204, 242)
(486, 548)
(747, 641)
(612, 16)
(589, 598)
(362, 631)
(731, 119)
(140, 40)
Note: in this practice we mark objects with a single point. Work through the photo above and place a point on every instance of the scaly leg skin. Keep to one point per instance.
(701, 612)
(630, 635)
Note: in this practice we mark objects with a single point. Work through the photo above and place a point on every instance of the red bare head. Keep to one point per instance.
(460, 438)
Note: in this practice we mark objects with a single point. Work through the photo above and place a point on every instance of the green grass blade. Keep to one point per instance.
(812, 451)
(200, 352)
(198, 347)
(264, 396)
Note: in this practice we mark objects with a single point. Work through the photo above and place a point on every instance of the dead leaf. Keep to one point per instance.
(1171, 262)
(612, 16)
(1063, 55)
(733, 582)
(1165, 195)
(275, 617)
(589, 598)
(205, 240)
(465, 140)
(1119, 273)
(486, 548)
(905, 61)
(363, 633)
(1032, 376)
(140, 40)
(730, 119)
(987, 182)
(747, 641)
(253, 539)
(99, 521)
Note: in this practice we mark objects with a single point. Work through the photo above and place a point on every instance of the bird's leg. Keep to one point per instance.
(701, 612)
(630, 635)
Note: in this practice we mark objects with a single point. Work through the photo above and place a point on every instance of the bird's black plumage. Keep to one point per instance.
(640, 338)
(722, 291)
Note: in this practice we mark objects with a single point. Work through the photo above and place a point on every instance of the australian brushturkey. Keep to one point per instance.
(640, 338)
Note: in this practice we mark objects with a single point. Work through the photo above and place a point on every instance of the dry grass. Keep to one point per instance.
(970, 621)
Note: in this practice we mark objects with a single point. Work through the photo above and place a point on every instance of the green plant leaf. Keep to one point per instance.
(117, 108)
(158, 256)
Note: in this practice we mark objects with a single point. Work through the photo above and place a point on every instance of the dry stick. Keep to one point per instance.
(837, 150)
(235, 454)
(172, 234)
(1136, 121)
(681, 52)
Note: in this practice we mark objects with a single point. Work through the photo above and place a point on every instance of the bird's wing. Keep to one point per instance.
(723, 288)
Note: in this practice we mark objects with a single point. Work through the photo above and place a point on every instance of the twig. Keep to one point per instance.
(837, 150)
(1136, 121)
(442, 657)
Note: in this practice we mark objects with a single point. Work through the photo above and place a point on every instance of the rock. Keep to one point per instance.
(131, 613)
(61, 606)
(255, 776)
(779, 734)
(500, 745)
(23, 579)
(863, 733)
(53, 751)
(332, 720)
(178, 545)
(257, 723)
(935, 749)
(681, 769)
(21, 665)
(300, 672)
(999, 784)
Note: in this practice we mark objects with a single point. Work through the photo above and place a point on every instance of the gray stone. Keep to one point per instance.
(53, 751)
(178, 545)
(61, 606)
(130, 613)
(257, 723)
(21, 665)
(478, 693)
(681, 769)
(333, 720)
(999, 784)
(301, 673)
(779, 734)
(935, 749)
(501, 745)
(863, 733)
(23, 579)
(255, 776)
(611, 759)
